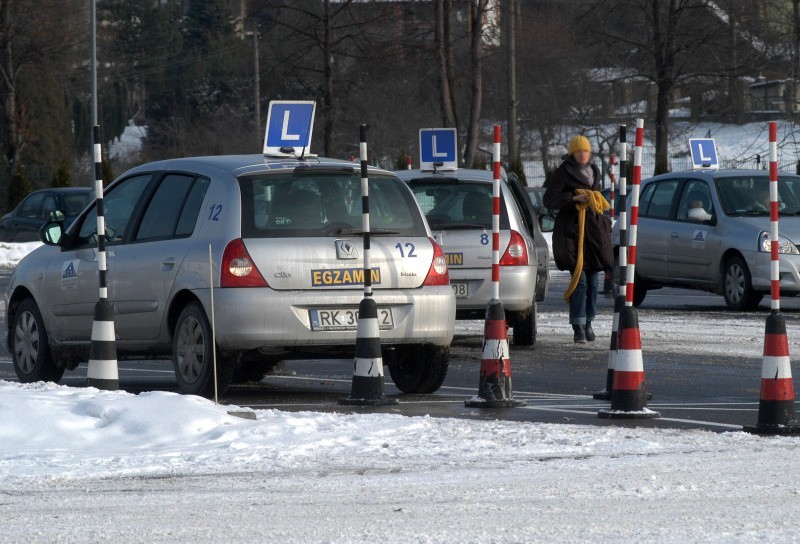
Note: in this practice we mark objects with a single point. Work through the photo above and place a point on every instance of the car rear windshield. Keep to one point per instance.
(312, 203)
(749, 195)
(458, 205)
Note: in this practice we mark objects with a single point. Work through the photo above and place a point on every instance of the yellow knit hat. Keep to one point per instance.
(579, 143)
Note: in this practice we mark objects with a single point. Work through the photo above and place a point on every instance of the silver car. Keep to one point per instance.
(709, 230)
(285, 239)
(458, 206)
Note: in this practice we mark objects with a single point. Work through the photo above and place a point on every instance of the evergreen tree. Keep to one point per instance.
(19, 188)
(61, 177)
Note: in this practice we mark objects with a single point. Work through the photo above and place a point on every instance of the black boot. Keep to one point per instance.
(579, 336)
(589, 332)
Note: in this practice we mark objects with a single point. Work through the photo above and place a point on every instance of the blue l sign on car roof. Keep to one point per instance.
(704, 153)
(438, 145)
(289, 125)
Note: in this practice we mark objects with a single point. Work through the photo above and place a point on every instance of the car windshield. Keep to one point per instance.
(462, 205)
(749, 195)
(313, 203)
(74, 203)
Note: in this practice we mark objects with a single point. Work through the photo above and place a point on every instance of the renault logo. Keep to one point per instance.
(345, 249)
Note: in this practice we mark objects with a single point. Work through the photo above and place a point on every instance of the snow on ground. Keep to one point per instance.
(129, 143)
(12, 253)
(376, 477)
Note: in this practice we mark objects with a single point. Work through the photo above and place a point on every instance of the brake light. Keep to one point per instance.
(516, 253)
(238, 269)
(437, 274)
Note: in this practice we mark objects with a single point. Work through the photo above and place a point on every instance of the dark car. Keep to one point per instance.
(23, 224)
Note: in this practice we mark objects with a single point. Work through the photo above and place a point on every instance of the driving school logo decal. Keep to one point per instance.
(69, 275)
(343, 276)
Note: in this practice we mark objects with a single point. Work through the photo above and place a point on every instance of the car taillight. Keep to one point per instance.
(516, 253)
(238, 269)
(437, 274)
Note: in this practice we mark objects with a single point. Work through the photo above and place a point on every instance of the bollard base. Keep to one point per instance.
(602, 395)
(618, 414)
(773, 430)
(477, 402)
(385, 401)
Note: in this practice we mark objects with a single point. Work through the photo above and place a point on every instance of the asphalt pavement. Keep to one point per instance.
(694, 384)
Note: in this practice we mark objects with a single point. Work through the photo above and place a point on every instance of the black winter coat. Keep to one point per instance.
(598, 254)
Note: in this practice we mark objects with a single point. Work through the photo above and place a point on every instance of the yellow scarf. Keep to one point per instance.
(598, 204)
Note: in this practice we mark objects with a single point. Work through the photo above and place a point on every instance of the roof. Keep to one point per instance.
(246, 164)
(712, 174)
(462, 174)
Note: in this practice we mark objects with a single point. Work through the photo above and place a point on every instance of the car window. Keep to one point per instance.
(31, 206)
(749, 195)
(322, 203)
(458, 205)
(191, 208)
(49, 205)
(73, 204)
(161, 218)
(660, 203)
(119, 204)
(644, 198)
(695, 204)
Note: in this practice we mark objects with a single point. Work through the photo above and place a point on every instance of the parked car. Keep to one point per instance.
(23, 224)
(287, 265)
(458, 207)
(536, 195)
(709, 230)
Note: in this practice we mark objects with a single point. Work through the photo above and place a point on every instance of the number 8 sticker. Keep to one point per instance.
(484, 239)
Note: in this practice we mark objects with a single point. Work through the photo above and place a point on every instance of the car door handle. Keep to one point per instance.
(168, 263)
(673, 235)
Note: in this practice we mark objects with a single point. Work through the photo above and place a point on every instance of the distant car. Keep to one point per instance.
(458, 206)
(607, 195)
(23, 224)
(536, 195)
(709, 230)
(282, 239)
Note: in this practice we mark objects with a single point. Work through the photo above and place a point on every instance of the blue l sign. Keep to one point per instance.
(289, 125)
(704, 153)
(438, 145)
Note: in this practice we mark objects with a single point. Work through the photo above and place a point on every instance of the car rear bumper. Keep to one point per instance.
(248, 319)
(517, 288)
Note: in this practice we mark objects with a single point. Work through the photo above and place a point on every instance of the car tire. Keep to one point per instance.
(419, 370)
(525, 329)
(30, 350)
(737, 286)
(192, 355)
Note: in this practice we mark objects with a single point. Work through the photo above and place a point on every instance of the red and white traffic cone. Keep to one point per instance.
(776, 408)
(605, 394)
(628, 394)
(494, 388)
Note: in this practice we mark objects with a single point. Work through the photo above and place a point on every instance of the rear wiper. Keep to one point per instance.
(354, 231)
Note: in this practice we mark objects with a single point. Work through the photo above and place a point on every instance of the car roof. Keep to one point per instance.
(462, 174)
(247, 164)
(714, 174)
(62, 190)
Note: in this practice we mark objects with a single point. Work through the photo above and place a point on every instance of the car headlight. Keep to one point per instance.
(785, 245)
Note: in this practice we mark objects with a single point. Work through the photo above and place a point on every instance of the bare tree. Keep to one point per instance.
(444, 57)
(477, 15)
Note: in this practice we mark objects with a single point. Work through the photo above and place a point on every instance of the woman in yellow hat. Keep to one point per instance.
(570, 190)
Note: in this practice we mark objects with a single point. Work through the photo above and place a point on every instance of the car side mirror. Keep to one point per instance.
(52, 232)
(547, 222)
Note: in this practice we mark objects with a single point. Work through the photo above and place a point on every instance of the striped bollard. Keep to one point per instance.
(776, 407)
(408, 167)
(628, 394)
(619, 295)
(608, 280)
(367, 386)
(494, 386)
(102, 372)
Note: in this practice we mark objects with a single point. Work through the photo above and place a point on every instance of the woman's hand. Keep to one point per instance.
(580, 199)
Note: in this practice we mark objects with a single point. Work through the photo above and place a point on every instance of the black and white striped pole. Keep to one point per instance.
(367, 388)
(102, 372)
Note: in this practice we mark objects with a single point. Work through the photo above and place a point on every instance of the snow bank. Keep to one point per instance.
(11, 254)
(129, 143)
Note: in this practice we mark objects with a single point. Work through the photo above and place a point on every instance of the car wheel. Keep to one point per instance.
(419, 369)
(738, 286)
(525, 330)
(192, 355)
(30, 350)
